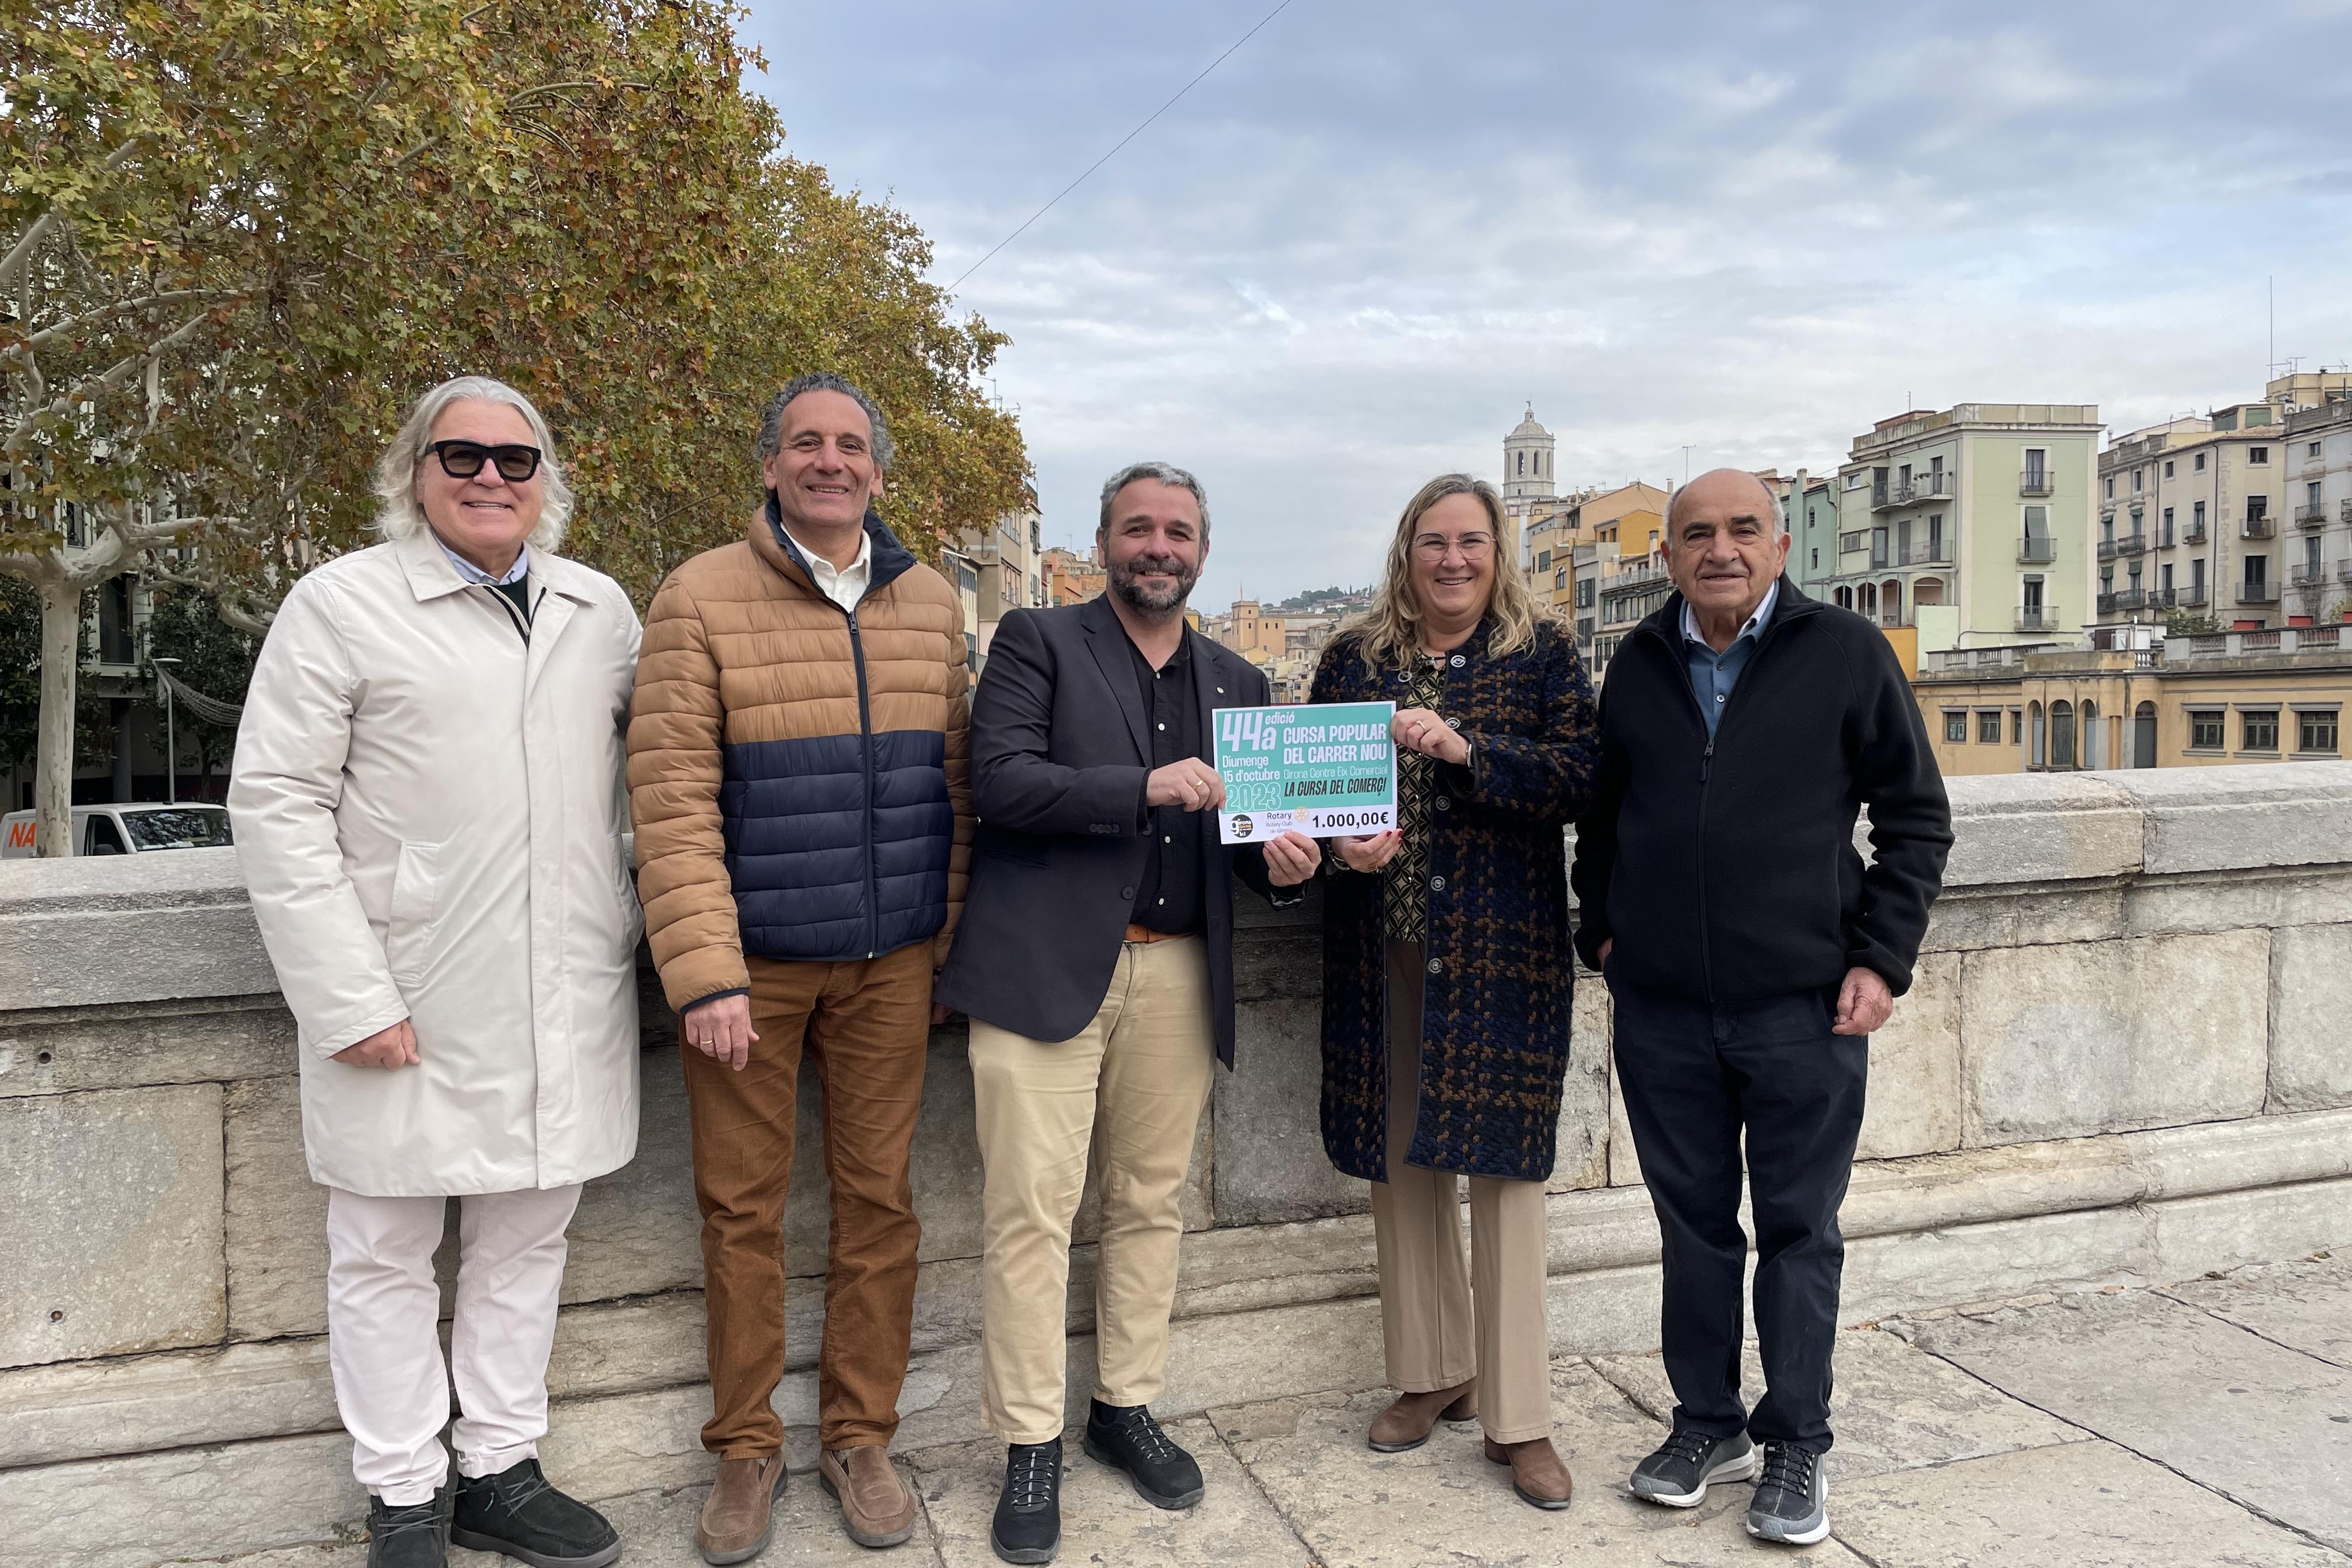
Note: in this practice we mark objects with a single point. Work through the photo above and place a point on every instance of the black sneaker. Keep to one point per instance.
(414, 1536)
(517, 1512)
(1687, 1462)
(1028, 1523)
(1126, 1437)
(1792, 1497)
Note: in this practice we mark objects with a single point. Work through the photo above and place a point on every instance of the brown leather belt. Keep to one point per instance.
(1145, 933)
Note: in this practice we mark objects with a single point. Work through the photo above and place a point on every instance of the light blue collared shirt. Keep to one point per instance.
(515, 573)
(1713, 674)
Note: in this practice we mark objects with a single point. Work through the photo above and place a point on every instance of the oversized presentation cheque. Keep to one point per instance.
(1323, 769)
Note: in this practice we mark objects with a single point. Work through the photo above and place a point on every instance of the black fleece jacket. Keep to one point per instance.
(1726, 870)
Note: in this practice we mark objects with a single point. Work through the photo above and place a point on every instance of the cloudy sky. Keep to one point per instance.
(1348, 259)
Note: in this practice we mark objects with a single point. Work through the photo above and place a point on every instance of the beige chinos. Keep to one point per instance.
(1127, 1090)
(1442, 1324)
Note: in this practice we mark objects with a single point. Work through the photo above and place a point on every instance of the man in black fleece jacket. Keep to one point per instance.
(1750, 952)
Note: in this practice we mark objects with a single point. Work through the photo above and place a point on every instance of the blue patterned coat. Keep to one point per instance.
(1496, 1019)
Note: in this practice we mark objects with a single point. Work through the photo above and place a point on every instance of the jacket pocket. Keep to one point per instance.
(416, 900)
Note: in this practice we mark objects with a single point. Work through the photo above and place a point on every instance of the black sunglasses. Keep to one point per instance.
(463, 459)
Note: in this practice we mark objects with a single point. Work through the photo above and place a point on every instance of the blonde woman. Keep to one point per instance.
(1447, 970)
(428, 811)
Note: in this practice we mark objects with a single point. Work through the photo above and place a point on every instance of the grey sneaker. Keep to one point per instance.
(1687, 1462)
(1792, 1497)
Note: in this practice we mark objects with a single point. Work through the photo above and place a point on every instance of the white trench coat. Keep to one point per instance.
(429, 814)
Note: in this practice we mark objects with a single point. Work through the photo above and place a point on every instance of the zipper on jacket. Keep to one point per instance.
(865, 765)
(1681, 664)
(1698, 854)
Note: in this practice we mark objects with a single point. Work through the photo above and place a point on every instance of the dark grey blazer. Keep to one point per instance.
(1058, 760)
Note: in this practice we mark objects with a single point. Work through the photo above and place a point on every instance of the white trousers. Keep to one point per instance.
(383, 1341)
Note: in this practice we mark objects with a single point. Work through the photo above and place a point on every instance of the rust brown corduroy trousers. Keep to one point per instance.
(866, 1024)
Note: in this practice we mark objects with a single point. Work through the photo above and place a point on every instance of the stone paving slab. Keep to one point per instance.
(2082, 1505)
(1103, 1520)
(1444, 1503)
(2306, 1306)
(2252, 1420)
(1896, 1409)
(658, 1532)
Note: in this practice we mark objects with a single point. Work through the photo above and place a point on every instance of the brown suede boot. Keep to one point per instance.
(1537, 1474)
(1406, 1424)
(876, 1509)
(735, 1519)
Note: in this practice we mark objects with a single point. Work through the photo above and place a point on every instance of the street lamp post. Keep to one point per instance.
(171, 746)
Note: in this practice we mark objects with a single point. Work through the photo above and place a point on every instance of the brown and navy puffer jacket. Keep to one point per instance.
(797, 772)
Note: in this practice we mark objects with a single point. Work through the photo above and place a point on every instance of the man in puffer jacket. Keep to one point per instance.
(797, 775)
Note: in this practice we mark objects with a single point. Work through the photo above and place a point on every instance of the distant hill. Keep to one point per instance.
(1325, 599)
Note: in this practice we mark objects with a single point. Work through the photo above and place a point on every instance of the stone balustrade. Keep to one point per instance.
(2124, 1061)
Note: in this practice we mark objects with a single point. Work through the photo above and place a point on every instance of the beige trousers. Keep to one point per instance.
(1125, 1095)
(1443, 1324)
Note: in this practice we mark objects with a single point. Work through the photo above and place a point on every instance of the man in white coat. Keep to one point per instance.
(428, 807)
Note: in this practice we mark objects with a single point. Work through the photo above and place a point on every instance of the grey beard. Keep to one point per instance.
(1123, 583)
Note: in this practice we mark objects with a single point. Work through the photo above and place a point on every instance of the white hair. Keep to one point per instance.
(399, 517)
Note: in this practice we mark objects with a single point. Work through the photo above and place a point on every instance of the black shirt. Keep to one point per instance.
(1169, 897)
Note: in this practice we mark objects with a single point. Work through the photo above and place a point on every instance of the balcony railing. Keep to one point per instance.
(2037, 617)
(2162, 598)
(2238, 644)
(2344, 509)
(2107, 550)
(2132, 543)
(2195, 534)
(2257, 527)
(2344, 572)
(2131, 599)
(2306, 574)
(2257, 593)
(1932, 552)
(2311, 516)
(1920, 487)
(2034, 482)
(2193, 597)
(2036, 550)
(2164, 538)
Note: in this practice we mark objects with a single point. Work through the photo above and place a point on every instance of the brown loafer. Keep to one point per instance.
(876, 1509)
(738, 1515)
(1538, 1474)
(1406, 1424)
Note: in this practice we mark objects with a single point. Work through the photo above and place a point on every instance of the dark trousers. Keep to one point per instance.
(1695, 1077)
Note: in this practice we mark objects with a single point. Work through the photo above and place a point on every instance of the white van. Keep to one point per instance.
(125, 829)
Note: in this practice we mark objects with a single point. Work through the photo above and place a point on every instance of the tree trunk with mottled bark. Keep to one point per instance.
(53, 773)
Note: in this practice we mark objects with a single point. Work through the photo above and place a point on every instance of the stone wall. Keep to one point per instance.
(2124, 1061)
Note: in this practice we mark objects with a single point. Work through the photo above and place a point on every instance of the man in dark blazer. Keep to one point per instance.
(1095, 962)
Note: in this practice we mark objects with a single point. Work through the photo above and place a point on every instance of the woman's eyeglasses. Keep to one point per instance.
(463, 459)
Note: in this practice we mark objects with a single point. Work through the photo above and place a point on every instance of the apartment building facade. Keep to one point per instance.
(1971, 524)
(1629, 518)
(2318, 479)
(1808, 514)
(1071, 576)
(1622, 599)
(2275, 695)
(1007, 561)
(2191, 521)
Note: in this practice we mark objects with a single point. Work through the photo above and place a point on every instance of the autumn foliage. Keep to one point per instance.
(241, 235)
